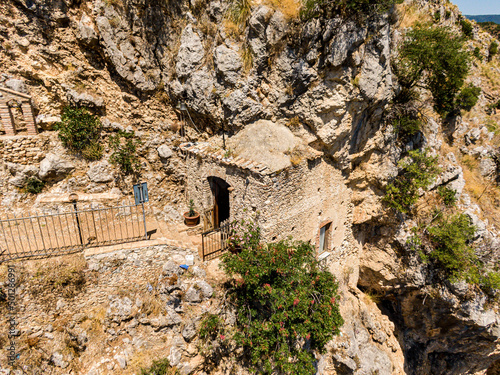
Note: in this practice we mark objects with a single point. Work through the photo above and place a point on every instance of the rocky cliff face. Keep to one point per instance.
(132, 61)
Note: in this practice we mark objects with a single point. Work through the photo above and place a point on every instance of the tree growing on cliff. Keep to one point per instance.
(436, 57)
(287, 307)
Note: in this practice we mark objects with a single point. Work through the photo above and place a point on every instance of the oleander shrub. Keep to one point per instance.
(287, 306)
(80, 132)
(417, 171)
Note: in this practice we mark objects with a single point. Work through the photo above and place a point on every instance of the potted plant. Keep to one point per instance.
(191, 217)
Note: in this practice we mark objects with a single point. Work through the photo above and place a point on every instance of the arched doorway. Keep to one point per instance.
(220, 193)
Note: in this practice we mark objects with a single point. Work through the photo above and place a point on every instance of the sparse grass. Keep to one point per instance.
(409, 15)
(247, 57)
(114, 22)
(470, 162)
(289, 8)
(60, 277)
(294, 122)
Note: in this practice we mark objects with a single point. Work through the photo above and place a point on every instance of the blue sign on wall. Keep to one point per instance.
(141, 193)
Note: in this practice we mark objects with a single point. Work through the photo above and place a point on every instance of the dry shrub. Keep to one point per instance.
(289, 8)
(151, 304)
(53, 278)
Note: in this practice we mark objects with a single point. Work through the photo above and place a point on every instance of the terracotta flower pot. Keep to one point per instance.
(191, 221)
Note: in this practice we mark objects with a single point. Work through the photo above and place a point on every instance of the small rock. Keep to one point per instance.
(164, 152)
(189, 331)
(198, 272)
(16, 85)
(57, 360)
(205, 288)
(121, 361)
(192, 295)
(54, 168)
(100, 172)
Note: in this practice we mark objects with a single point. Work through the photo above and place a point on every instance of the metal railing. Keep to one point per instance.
(215, 241)
(68, 232)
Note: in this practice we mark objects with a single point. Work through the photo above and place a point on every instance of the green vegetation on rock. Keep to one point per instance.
(124, 146)
(160, 367)
(287, 306)
(80, 132)
(34, 185)
(418, 170)
(358, 8)
(436, 54)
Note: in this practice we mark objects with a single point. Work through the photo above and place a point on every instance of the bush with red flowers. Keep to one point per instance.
(287, 306)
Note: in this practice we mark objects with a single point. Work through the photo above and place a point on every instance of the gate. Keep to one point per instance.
(69, 232)
(215, 241)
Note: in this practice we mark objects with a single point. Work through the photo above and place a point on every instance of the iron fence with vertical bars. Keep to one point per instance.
(68, 232)
(215, 241)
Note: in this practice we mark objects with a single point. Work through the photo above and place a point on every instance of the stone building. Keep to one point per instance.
(269, 172)
(10, 102)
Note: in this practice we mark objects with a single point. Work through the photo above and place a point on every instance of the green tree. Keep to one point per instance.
(357, 8)
(418, 170)
(80, 131)
(438, 57)
(287, 307)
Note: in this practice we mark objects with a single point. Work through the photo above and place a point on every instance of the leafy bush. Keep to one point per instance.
(448, 195)
(466, 28)
(468, 97)
(492, 50)
(417, 172)
(451, 238)
(359, 8)
(210, 327)
(34, 185)
(437, 55)
(450, 242)
(287, 307)
(124, 146)
(80, 131)
(477, 54)
(407, 126)
(160, 367)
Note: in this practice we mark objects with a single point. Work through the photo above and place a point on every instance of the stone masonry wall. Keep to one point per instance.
(296, 201)
(24, 149)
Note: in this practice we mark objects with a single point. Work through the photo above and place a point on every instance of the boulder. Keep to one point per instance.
(85, 32)
(84, 100)
(47, 122)
(191, 52)
(164, 152)
(193, 295)
(54, 168)
(100, 172)
(189, 331)
(16, 85)
(58, 360)
(228, 63)
(205, 289)
(120, 309)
